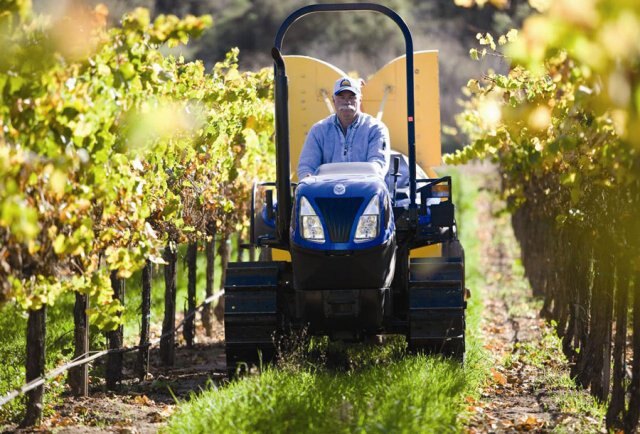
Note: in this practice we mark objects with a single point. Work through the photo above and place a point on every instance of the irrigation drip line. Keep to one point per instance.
(88, 357)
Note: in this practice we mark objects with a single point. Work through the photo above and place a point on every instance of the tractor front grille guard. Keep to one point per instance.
(339, 215)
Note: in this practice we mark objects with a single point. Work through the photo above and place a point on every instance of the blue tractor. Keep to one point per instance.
(349, 235)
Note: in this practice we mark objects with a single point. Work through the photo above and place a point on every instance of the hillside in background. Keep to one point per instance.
(356, 42)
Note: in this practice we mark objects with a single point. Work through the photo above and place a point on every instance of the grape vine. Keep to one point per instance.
(562, 127)
(110, 149)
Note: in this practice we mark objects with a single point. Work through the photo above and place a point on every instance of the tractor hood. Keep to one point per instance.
(344, 207)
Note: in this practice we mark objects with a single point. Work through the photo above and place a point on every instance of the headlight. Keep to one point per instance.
(310, 224)
(368, 224)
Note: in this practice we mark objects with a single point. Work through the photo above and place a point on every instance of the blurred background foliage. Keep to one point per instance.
(361, 42)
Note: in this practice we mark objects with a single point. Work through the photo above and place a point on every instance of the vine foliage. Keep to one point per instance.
(562, 127)
(111, 149)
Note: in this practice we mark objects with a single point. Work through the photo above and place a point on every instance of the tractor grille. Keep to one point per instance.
(339, 216)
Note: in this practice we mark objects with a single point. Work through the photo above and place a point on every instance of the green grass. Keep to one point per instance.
(132, 317)
(565, 395)
(59, 346)
(380, 390)
(466, 194)
(413, 394)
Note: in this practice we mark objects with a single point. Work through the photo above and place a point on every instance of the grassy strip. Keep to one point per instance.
(381, 392)
(410, 395)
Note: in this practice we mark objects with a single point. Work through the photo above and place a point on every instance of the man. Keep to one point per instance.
(349, 135)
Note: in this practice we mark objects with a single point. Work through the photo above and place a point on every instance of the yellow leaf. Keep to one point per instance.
(540, 5)
(143, 400)
(512, 34)
(58, 244)
(500, 4)
(57, 182)
(499, 377)
(232, 75)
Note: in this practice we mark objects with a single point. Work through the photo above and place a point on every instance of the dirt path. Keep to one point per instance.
(529, 389)
(142, 406)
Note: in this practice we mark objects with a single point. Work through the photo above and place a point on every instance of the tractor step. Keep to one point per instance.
(251, 316)
(252, 274)
(437, 306)
(435, 269)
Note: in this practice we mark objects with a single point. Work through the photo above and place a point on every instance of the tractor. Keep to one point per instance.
(351, 255)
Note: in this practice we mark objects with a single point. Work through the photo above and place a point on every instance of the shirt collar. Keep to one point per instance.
(355, 122)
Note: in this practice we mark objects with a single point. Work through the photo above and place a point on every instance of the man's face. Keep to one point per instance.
(346, 103)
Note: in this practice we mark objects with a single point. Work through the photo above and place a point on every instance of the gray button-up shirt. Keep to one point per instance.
(366, 140)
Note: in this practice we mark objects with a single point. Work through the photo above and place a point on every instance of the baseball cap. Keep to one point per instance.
(347, 83)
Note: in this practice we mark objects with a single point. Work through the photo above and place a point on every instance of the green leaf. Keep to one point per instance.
(127, 70)
(59, 244)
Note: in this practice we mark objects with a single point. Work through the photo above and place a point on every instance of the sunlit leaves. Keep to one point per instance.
(109, 149)
(603, 36)
(567, 140)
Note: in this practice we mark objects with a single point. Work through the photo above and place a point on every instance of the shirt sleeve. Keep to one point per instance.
(311, 155)
(379, 149)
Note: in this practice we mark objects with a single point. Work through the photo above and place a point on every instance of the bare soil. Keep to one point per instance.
(528, 389)
(142, 406)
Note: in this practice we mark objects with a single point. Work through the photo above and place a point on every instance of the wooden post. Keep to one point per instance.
(36, 332)
(239, 248)
(582, 308)
(167, 343)
(207, 313)
(600, 335)
(189, 330)
(615, 412)
(79, 375)
(145, 309)
(115, 338)
(223, 253)
(633, 415)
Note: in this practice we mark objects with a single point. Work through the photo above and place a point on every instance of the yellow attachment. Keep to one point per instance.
(420, 252)
(392, 80)
(311, 95)
(310, 88)
(431, 251)
(281, 255)
(441, 191)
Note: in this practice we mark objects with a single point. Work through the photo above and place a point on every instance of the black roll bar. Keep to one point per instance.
(282, 108)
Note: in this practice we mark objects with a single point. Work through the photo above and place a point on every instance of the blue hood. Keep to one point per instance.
(339, 195)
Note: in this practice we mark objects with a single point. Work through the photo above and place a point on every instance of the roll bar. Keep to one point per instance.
(282, 109)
